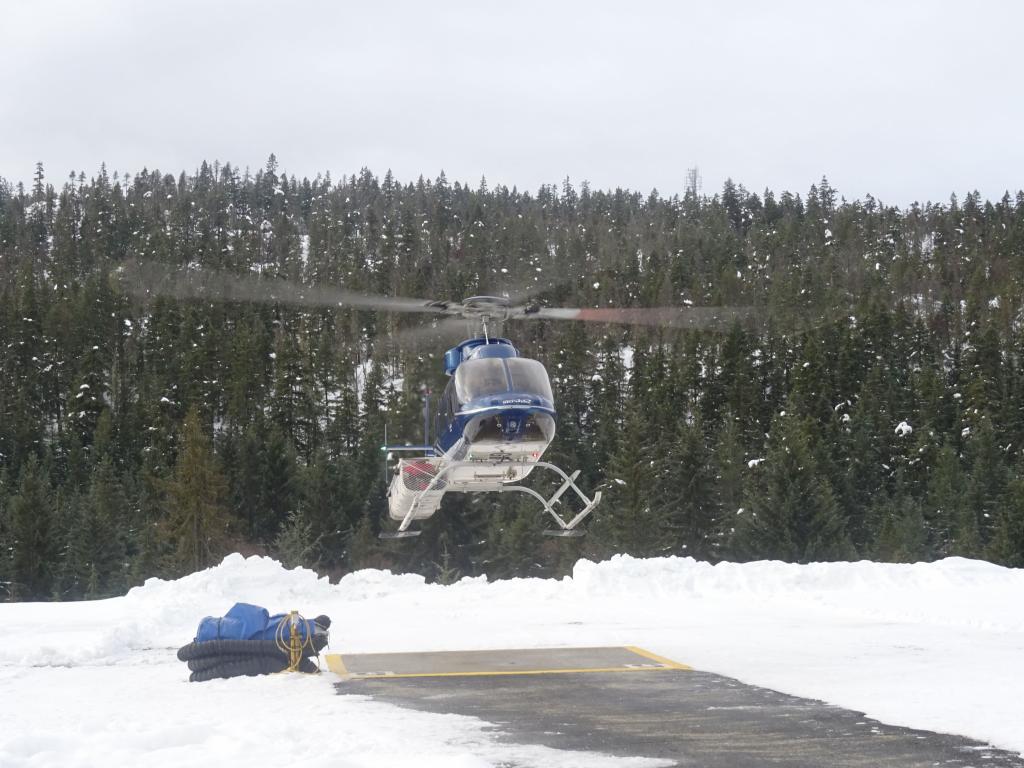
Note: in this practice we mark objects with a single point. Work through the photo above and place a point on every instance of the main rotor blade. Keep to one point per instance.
(527, 290)
(691, 318)
(161, 280)
(518, 289)
(446, 330)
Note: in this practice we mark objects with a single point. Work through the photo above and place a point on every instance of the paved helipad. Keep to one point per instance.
(524, 661)
(579, 699)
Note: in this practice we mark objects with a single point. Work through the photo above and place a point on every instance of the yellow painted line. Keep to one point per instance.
(335, 664)
(376, 676)
(655, 657)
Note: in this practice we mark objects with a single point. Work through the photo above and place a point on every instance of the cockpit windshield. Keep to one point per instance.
(529, 376)
(495, 376)
(479, 378)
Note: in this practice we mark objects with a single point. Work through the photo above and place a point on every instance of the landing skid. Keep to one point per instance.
(398, 534)
(572, 533)
(492, 483)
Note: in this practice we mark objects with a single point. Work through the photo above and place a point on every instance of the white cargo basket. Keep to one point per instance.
(416, 483)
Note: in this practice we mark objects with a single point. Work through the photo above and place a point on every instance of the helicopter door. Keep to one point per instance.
(446, 408)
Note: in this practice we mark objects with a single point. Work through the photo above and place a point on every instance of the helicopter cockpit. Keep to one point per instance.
(494, 376)
(509, 399)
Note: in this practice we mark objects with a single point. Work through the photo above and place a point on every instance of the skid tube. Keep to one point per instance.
(564, 530)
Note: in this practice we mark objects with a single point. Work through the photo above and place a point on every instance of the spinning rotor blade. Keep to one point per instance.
(448, 329)
(160, 280)
(516, 289)
(150, 279)
(525, 291)
(689, 318)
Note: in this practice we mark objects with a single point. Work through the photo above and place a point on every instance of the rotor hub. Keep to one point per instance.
(486, 307)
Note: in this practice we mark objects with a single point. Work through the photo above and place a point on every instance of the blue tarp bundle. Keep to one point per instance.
(246, 641)
(247, 622)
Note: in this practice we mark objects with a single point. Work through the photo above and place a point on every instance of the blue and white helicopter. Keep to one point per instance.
(496, 416)
(495, 420)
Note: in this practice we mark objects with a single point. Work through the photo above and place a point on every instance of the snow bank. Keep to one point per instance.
(934, 645)
(163, 614)
(623, 574)
(954, 592)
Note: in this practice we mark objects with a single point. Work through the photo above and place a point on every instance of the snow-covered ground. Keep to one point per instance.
(937, 646)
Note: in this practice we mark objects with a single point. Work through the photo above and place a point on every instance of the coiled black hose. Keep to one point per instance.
(214, 659)
(253, 665)
(209, 648)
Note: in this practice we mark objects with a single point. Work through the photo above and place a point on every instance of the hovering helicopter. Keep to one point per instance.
(496, 416)
(495, 420)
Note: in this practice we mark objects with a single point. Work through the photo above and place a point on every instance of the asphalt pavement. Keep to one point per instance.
(657, 709)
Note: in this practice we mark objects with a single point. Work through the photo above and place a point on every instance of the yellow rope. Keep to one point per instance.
(290, 641)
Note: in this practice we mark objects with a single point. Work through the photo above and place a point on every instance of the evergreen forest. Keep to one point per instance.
(874, 407)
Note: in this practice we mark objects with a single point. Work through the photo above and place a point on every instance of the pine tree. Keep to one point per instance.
(247, 480)
(371, 429)
(291, 404)
(515, 539)
(279, 485)
(684, 494)
(791, 512)
(32, 540)
(945, 511)
(364, 549)
(1008, 542)
(986, 482)
(296, 545)
(628, 520)
(197, 517)
(902, 534)
(151, 550)
(447, 571)
(728, 465)
(743, 401)
(5, 537)
(326, 505)
(609, 402)
(96, 563)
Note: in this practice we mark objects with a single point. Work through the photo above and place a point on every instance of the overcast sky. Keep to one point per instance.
(904, 100)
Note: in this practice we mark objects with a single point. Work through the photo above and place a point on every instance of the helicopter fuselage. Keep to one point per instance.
(495, 419)
(496, 408)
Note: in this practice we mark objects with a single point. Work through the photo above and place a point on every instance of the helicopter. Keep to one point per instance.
(496, 416)
(495, 421)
